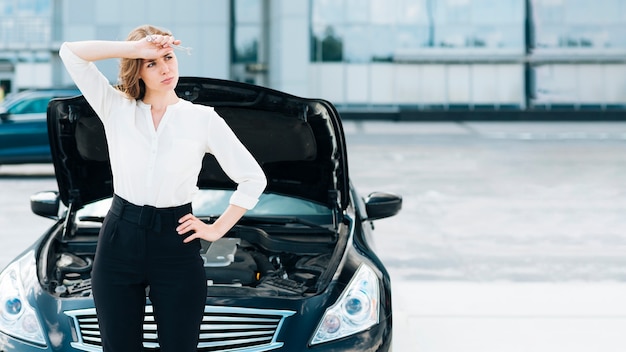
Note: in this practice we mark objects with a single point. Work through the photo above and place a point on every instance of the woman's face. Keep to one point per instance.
(160, 74)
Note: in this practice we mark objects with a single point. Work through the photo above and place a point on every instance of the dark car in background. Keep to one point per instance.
(297, 273)
(23, 132)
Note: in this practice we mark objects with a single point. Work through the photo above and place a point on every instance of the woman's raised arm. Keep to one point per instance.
(95, 50)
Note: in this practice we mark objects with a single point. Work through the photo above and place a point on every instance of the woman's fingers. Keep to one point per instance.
(162, 40)
(196, 228)
(186, 224)
(191, 237)
(186, 217)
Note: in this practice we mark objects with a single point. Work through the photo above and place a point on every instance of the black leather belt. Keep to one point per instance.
(146, 216)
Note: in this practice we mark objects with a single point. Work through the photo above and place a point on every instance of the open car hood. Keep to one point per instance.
(298, 142)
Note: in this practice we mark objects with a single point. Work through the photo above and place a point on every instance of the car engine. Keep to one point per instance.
(280, 264)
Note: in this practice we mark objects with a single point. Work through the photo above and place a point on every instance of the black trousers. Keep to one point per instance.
(139, 248)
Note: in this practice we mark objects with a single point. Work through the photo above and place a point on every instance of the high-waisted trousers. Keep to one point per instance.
(140, 253)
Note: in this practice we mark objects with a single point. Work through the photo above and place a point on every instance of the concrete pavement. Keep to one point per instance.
(511, 317)
(512, 236)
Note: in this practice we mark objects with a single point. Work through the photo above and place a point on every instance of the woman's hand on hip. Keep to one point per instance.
(210, 232)
(199, 229)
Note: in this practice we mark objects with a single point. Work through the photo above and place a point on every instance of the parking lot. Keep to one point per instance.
(512, 236)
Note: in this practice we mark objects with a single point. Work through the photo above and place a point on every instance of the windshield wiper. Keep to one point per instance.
(282, 220)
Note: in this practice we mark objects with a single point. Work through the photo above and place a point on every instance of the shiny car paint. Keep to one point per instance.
(312, 267)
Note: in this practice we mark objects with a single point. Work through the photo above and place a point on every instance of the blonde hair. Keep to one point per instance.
(129, 81)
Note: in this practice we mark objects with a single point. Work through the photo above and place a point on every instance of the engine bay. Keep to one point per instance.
(286, 262)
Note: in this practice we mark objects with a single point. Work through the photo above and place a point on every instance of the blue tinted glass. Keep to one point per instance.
(479, 23)
(383, 12)
(356, 13)
(357, 44)
(410, 37)
(578, 23)
(497, 37)
(374, 30)
(328, 11)
(617, 36)
(327, 43)
(452, 36)
(248, 11)
(412, 12)
(25, 21)
(448, 12)
(247, 30)
(385, 46)
(246, 43)
(500, 12)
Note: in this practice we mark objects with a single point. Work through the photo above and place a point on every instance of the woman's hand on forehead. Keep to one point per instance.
(167, 41)
(155, 45)
(162, 40)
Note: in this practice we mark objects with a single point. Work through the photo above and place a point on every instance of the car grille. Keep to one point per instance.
(222, 329)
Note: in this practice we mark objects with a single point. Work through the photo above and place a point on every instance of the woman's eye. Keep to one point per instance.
(150, 64)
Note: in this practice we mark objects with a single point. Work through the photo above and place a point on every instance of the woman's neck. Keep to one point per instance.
(160, 100)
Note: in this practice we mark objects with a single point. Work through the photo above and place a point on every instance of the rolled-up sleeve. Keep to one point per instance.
(237, 162)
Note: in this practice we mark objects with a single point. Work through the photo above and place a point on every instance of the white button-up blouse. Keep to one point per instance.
(160, 167)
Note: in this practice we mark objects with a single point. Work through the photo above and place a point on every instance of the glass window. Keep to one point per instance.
(377, 30)
(246, 43)
(578, 23)
(383, 12)
(412, 12)
(25, 21)
(248, 11)
(357, 13)
(327, 44)
(409, 37)
(357, 47)
(247, 29)
(329, 11)
(452, 12)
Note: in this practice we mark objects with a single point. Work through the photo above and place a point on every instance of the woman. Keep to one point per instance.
(150, 240)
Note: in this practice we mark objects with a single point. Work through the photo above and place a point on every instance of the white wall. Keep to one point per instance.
(32, 75)
(418, 84)
(573, 84)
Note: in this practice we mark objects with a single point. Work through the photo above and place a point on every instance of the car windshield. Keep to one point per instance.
(36, 105)
(211, 203)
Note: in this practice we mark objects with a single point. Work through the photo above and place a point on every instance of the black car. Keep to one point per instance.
(297, 273)
(23, 132)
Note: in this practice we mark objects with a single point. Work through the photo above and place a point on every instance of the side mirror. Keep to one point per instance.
(4, 116)
(45, 204)
(380, 205)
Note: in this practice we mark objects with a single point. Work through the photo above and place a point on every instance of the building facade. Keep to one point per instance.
(363, 55)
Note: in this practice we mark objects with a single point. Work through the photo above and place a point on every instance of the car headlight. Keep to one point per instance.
(17, 317)
(355, 310)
